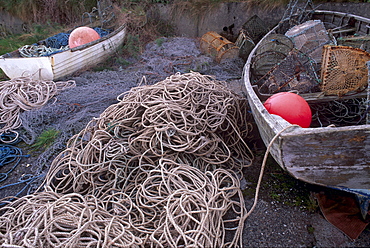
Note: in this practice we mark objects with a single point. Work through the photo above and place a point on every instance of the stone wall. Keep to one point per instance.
(196, 21)
(11, 24)
(192, 22)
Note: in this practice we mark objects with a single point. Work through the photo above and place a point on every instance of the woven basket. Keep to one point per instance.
(343, 70)
(218, 47)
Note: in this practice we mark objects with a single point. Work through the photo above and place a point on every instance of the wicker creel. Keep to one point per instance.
(343, 70)
(218, 47)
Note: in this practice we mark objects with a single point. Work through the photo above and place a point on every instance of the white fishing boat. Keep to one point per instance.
(58, 65)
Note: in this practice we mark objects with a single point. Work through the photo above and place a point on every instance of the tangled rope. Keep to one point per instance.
(28, 51)
(23, 94)
(160, 168)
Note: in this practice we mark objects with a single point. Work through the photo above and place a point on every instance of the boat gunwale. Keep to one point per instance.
(79, 48)
(276, 122)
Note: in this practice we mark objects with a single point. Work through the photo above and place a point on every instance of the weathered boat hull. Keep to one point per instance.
(64, 63)
(337, 157)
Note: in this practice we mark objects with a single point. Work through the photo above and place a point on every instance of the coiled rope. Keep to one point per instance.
(23, 94)
(161, 168)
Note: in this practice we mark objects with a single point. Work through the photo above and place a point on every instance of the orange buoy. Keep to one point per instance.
(81, 36)
(290, 106)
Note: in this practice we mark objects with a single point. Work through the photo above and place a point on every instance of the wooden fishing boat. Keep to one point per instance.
(58, 65)
(331, 156)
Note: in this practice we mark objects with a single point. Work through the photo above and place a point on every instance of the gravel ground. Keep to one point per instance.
(286, 215)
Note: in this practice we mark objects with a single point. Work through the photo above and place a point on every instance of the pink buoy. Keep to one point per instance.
(81, 36)
(291, 107)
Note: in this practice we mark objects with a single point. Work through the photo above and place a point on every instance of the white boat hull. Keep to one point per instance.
(64, 63)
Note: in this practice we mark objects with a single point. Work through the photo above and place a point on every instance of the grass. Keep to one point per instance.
(45, 140)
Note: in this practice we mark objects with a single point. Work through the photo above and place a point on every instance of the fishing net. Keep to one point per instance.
(70, 111)
(340, 113)
(161, 167)
(91, 120)
(296, 72)
(343, 70)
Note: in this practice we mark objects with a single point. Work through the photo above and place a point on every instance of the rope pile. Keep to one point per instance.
(23, 94)
(160, 168)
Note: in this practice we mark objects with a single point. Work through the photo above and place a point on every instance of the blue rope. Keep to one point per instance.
(9, 138)
(9, 154)
(28, 179)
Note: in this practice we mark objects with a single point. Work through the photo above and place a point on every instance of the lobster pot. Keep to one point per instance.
(343, 70)
(294, 73)
(270, 52)
(245, 45)
(362, 42)
(264, 62)
(309, 37)
(255, 28)
(275, 42)
(218, 47)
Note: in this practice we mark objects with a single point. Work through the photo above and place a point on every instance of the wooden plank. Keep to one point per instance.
(330, 156)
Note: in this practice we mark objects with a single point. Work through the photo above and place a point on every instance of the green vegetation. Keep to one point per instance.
(278, 186)
(159, 41)
(45, 140)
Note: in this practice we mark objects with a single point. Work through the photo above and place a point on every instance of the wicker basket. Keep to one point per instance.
(343, 70)
(218, 47)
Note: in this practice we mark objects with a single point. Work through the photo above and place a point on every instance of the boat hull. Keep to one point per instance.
(64, 63)
(328, 156)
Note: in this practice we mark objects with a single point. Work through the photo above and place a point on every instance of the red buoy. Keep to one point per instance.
(81, 36)
(291, 107)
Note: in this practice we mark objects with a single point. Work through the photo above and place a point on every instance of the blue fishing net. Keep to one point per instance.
(57, 41)
(61, 40)
(102, 32)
